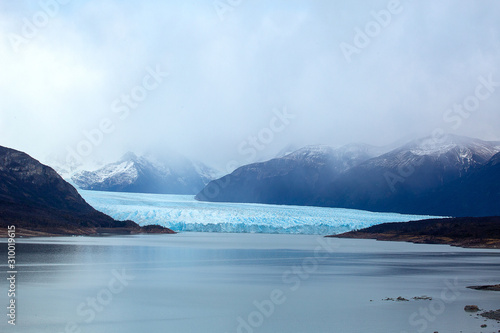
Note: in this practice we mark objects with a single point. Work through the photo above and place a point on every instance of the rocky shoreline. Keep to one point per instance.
(473, 310)
(495, 287)
(470, 232)
(87, 231)
(493, 314)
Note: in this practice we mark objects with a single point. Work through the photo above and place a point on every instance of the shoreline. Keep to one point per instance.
(491, 314)
(86, 231)
(469, 243)
(466, 232)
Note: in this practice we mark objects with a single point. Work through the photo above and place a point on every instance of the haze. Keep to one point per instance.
(245, 78)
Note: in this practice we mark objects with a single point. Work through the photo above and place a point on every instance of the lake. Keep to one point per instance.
(241, 282)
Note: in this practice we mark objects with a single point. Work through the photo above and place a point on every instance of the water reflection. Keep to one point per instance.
(205, 282)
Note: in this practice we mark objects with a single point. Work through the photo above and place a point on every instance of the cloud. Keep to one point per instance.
(227, 76)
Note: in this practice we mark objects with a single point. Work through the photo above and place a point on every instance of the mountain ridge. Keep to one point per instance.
(290, 179)
(396, 181)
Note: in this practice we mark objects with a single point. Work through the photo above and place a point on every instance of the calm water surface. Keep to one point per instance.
(209, 282)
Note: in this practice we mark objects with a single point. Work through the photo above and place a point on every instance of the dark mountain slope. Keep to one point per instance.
(449, 175)
(410, 178)
(292, 179)
(34, 197)
(475, 194)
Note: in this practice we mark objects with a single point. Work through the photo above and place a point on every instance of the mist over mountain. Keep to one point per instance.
(260, 117)
(138, 74)
(147, 174)
(402, 180)
(408, 179)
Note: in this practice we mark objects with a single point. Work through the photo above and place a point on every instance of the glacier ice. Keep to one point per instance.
(184, 213)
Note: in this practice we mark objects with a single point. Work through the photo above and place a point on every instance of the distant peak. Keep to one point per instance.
(315, 148)
(129, 156)
(440, 145)
(356, 146)
(289, 149)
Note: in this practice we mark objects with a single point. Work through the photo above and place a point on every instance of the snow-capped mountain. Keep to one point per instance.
(358, 176)
(287, 150)
(460, 151)
(206, 173)
(395, 180)
(147, 174)
(290, 179)
(336, 159)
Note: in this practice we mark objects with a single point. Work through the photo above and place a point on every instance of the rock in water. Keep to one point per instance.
(471, 308)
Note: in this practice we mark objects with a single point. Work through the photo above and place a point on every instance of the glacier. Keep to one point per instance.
(184, 213)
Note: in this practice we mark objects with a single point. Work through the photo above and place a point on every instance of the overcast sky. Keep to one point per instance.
(219, 80)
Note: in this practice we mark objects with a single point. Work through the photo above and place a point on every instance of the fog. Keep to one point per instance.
(233, 81)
